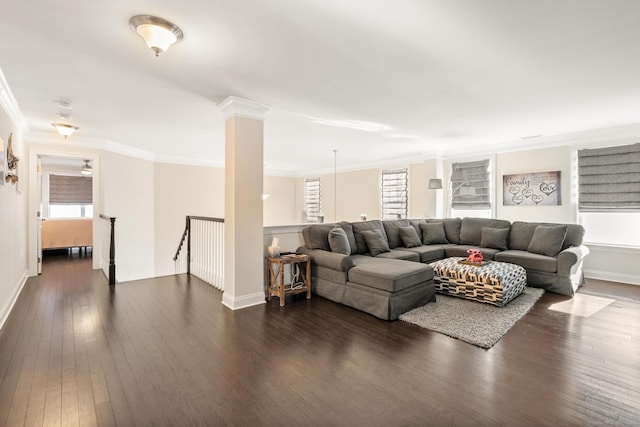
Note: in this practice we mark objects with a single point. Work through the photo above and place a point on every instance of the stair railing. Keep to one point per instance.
(112, 249)
(204, 254)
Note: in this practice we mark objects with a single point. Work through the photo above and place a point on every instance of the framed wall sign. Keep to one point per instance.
(531, 189)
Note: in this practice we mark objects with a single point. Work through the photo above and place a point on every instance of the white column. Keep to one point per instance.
(243, 229)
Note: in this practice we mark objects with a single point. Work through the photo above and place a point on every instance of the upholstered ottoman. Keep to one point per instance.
(494, 283)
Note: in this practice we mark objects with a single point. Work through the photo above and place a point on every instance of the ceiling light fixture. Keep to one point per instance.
(158, 33)
(62, 125)
(65, 129)
(86, 169)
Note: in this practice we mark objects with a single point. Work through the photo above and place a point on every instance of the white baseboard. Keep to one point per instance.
(6, 310)
(612, 276)
(237, 303)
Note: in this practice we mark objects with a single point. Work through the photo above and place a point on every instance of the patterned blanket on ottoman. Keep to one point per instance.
(495, 283)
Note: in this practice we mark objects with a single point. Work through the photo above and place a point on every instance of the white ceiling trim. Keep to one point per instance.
(239, 107)
(10, 105)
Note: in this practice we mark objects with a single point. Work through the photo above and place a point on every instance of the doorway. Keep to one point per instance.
(66, 208)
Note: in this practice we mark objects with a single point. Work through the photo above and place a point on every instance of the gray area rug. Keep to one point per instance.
(471, 321)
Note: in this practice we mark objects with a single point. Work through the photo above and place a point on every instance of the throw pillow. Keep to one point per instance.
(339, 242)
(495, 238)
(433, 233)
(547, 240)
(409, 237)
(376, 242)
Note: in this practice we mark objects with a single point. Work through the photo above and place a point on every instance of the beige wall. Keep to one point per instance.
(13, 225)
(182, 190)
(128, 195)
(280, 206)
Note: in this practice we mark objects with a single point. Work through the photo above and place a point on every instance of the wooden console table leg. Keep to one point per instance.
(281, 272)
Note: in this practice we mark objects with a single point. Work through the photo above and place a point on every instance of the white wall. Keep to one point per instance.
(128, 195)
(13, 225)
(544, 160)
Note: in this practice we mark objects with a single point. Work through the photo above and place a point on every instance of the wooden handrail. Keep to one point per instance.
(112, 249)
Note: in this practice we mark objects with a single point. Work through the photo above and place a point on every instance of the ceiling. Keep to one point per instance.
(379, 81)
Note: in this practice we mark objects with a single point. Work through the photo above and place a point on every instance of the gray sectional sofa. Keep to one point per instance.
(382, 267)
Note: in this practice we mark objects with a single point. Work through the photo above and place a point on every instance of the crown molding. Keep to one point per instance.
(10, 105)
(240, 107)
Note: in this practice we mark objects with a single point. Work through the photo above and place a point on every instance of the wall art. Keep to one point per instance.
(531, 189)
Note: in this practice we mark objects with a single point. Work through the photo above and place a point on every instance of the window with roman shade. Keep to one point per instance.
(394, 193)
(609, 178)
(470, 185)
(70, 190)
(312, 199)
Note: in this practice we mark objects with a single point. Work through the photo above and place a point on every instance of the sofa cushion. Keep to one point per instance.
(461, 250)
(348, 229)
(433, 233)
(495, 238)
(547, 240)
(415, 223)
(391, 229)
(389, 275)
(528, 260)
(451, 228)
(400, 253)
(359, 227)
(317, 236)
(409, 237)
(338, 241)
(471, 229)
(428, 253)
(522, 232)
(376, 242)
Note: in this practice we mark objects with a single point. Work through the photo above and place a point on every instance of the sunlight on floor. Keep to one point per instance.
(582, 305)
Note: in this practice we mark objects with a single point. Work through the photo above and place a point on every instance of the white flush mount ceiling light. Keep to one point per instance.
(158, 33)
(65, 129)
(62, 126)
(86, 169)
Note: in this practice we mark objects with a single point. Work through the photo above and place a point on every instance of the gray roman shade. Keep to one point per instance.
(470, 187)
(609, 178)
(394, 193)
(71, 190)
(312, 199)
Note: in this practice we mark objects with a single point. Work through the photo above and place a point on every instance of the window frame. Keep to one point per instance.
(312, 209)
(385, 201)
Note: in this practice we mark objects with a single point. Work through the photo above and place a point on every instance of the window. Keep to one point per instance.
(394, 193)
(70, 196)
(312, 199)
(609, 194)
(470, 188)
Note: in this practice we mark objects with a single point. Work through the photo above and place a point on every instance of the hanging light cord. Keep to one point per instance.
(335, 185)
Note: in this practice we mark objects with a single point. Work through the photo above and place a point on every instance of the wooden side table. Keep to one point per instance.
(299, 283)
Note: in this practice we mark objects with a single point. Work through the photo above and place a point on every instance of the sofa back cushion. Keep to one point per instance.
(415, 223)
(316, 236)
(391, 228)
(522, 232)
(451, 228)
(359, 227)
(471, 229)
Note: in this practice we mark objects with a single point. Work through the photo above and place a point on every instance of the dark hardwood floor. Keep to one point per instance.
(166, 352)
